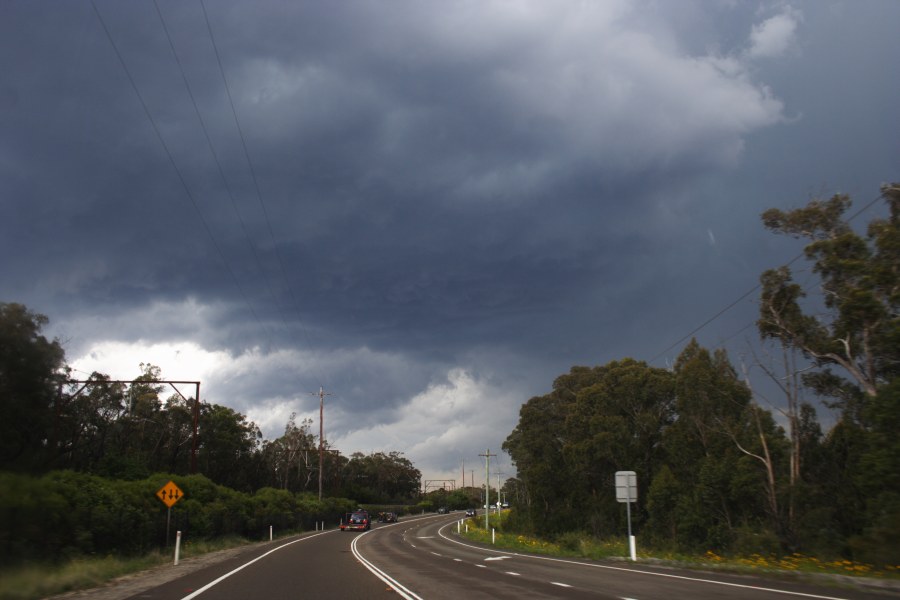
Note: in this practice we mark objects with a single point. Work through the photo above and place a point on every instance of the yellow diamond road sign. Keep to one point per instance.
(170, 494)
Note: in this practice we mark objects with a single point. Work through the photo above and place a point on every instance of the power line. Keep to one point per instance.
(215, 157)
(747, 293)
(255, 180)
(178, 172)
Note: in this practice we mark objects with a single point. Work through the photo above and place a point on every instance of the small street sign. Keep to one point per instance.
(169, 494)
(626, 486)
(626, 491)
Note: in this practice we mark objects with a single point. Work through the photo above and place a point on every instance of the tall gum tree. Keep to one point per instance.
(859, 332)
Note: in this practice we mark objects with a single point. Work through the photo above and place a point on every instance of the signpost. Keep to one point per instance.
(626, 491)
(169, 494)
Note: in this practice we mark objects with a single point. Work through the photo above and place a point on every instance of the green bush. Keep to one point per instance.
(64, 514)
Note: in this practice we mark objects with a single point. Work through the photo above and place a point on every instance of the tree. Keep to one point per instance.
(568, 444)
(85, 423)
(380, 478)
(293, 458)
(721, 455)
(30, 375)
(854, 343)
(536, 448)
(228, 444)
(860, 277)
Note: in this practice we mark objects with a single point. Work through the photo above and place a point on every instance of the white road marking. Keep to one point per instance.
(395, 585)
(560, 584)
(497, 557)
(247, 564)
(513, 573)
(638, 571)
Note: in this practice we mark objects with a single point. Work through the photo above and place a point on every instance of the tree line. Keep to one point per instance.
(719, 469)
(131, 430)
(80, 462)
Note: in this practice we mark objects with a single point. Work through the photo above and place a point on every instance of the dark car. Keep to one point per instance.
(387, 517)
(471, 513)
(443, 510)
(358, 520)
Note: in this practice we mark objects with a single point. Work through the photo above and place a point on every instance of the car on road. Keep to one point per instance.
(358, 520)
(443, 510)
(471, 513)
(387, 517)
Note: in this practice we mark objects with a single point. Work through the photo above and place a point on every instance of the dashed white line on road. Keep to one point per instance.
(560, 584)
(513, 573)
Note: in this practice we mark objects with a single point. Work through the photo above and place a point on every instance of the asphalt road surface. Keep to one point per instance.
(422, 558)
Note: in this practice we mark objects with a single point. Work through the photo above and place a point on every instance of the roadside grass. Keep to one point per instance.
(578, 545)
(29, 581)
(38, 580)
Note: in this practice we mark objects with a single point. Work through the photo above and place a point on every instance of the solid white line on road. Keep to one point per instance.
(403, 592)
(247, 564)
(640, 571)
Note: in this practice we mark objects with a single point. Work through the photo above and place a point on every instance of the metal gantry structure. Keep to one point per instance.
(195, 409)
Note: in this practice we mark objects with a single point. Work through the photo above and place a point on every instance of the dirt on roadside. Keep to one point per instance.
(135, 583)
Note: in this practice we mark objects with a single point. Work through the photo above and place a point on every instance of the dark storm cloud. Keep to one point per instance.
(448, 202)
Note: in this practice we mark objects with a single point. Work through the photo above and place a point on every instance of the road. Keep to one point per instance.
(422, 558)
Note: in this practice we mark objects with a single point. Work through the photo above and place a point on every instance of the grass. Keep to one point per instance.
(37, 580)
(581, 546)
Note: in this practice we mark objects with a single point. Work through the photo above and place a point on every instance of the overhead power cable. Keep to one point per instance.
(747, 293)
(177, 170)
(215, 157)
(259, 195)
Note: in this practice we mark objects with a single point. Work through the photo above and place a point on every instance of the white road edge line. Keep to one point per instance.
(247, 564)
(596, 566)
(395, 585)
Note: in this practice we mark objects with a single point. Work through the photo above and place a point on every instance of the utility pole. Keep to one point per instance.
(487, 488)
(321, 395)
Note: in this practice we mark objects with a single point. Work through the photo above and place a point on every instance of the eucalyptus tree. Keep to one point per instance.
(30, 375)
(229, 446)
(568, 444)
(855, 339)
(723, 455)
(850, 332)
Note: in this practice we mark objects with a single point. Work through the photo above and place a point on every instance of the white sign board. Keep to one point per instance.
(626, 486)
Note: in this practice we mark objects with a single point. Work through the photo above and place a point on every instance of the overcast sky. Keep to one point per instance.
(429, 209)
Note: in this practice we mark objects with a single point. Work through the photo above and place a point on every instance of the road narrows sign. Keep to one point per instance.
(169, 494)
